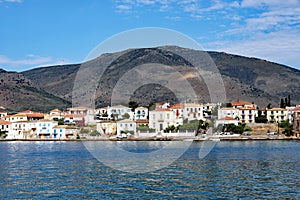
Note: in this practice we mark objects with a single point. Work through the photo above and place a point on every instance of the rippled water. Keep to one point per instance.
(232, 170)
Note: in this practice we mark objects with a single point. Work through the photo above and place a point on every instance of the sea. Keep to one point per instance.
(227, 170)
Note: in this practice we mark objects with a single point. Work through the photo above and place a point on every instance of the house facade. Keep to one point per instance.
(277, 115)
(64, 132)
(161, 118)
(141, 113)
(193, 111)
(44, 128)
(126, 126)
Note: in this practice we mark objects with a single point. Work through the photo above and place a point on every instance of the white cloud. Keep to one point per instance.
(269, 3)
(30, 60)
(282, 47)
(123, 8)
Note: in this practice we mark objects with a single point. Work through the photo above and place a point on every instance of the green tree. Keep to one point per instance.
(95, 133)
(133, 105)
(287, 128)
(171, 128)
(126, 116)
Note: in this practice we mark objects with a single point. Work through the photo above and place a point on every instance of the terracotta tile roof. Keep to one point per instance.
(55, 110)
(296, 109)
(37, 115)
(19, 114)
(142, 121)
(177, 106)
(2, 122)
(240, 103)
(227, 118)
(277, 109)
(6, 117)
(74, 115)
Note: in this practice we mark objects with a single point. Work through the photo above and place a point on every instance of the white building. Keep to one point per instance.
(77, 112)
(226, 120)
(230, 112)
(118, 112)
(193, 111)
(141, 113)
(44, 128)
(161, 118)
(56, 114)
(126, 126)
(5, 126)
(247, 115)
(23, 130)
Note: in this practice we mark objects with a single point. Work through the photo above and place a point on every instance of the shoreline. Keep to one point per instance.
(157, 139)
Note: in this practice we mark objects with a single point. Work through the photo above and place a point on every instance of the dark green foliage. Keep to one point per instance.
(126, 116)
(239, 129)
(288, 128)
(261, 119)
(171, 128)
(95, 133)
(133, 105)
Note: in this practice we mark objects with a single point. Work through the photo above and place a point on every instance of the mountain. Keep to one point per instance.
(18, 93)
(249, 79)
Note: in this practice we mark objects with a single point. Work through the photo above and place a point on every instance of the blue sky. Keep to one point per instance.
(40, 33)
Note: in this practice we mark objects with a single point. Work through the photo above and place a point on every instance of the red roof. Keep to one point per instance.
(240, 103)
(227, 118)
(177, 106)
(2, 122)
(162, 109)
(297, 108)
(55, 110)
(73, 115)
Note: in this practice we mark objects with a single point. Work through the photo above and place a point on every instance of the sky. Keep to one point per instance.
(37, 33)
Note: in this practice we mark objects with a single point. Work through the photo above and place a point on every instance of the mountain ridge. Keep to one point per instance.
(250, 79)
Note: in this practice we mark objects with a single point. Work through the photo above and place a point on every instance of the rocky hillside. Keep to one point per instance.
(18, 93)
(246, 78)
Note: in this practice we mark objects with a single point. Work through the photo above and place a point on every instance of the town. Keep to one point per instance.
(158, 120)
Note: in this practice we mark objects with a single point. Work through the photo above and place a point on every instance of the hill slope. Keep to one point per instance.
(18, 93)
(249, 79)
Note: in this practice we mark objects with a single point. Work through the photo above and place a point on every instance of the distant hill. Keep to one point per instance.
(18, 93)
(245, 78)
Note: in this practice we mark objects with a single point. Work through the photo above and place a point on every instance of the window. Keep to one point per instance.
(168, 116)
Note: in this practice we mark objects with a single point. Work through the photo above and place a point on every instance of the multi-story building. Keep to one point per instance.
(118, 112)
(247, 115)
(5, 126)
(161, 118)
(80, 114)
(44, 128)
(193, 111)
(277, 115)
